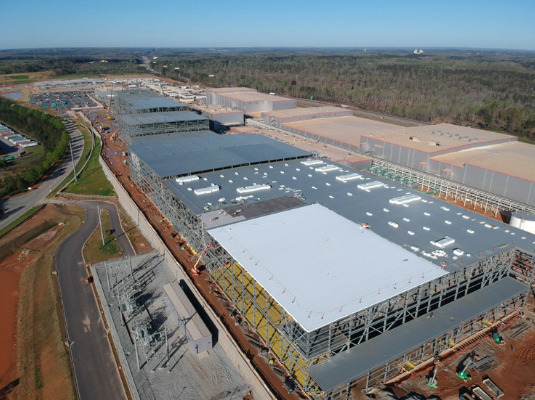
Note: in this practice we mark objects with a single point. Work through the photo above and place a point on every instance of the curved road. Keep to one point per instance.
(95, 369)
(15, 207)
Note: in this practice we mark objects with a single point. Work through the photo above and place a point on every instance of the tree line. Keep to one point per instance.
(487, 90)
(46, 129)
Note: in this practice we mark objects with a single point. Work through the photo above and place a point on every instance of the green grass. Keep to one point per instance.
(76, 76)
(33, 157)
(92, 179)
(87, 148)
(20, 219)
(94, 251)
(19, 77)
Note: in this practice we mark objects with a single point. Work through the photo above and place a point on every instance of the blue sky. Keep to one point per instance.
(290, 23)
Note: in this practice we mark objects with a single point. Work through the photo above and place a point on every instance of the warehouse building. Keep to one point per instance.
(221, 118)
(247, 100)
(507, 169)
(344, 132)
(277, 118)
(143, 101)
(148, 124)
(328, 265)
(414, 146)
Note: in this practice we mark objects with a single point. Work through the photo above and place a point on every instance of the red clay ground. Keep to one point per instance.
(275, 374)
(33, 360)
(513, 367)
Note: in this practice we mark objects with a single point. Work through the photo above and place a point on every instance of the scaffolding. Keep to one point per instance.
(133, 125)
(297, 349)
(140, 101)
(409, 177)
(433, 184)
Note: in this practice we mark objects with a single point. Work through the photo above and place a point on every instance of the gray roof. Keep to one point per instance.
(166, 138)
(356, 362)
(428, 219)
(158, 118)
(140, 99)
(194, 155)
(157, 102)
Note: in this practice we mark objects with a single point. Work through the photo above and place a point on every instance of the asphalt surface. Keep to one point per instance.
(15, 207)
(95, 369)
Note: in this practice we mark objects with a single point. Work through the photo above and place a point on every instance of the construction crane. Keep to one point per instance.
(194, 270)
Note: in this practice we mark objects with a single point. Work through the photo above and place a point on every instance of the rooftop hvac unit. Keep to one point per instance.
(348, 177)
(187, 179)
(252, 188)
(310, 163)
(444, 242)
(207, 190)
(408, 198)
(371, 185)
(327, 168)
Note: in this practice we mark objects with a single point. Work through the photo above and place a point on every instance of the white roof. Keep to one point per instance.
(320, 266)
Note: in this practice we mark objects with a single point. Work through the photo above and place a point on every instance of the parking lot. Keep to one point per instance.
(63, 101)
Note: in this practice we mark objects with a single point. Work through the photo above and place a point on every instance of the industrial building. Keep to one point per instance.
(507, 169)
(142, 124)
(247, 100)
(344, 132)
(277, 118)
(143, 101)
(221, 118)
(329, 265)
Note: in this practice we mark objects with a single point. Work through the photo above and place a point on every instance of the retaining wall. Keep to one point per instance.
(249, 374)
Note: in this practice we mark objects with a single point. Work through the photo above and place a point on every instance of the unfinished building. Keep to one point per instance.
(139, 101)
(146, 124)
(329, 265)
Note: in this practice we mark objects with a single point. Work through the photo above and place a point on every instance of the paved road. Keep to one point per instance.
(13, 208)
(95, 370)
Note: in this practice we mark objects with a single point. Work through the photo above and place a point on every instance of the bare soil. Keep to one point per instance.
(33, 362)
(274, 375)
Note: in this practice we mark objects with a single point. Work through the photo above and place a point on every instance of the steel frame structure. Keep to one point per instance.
(429, 350)
(449, 188)
(128, 133)
(407, 176)
(123, 102)
(294, 347)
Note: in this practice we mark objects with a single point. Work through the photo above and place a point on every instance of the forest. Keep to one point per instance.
(46, 129)
(490, 89)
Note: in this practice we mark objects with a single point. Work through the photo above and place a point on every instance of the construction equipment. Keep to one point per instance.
(114, 136)
(432, 381)
(497, 338)
(194, 270)
(463, 374)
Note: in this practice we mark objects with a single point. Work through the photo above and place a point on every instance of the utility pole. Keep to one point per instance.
(73, 166)
(100, 223)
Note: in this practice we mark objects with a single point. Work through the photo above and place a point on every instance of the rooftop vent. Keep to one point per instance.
(310, 163)
(327, 168)
(187, 179)
(207, 190)
(371, 185)
(348, 177)
(408, 198)
(444, 242)
(252, 188)
(415, 139)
